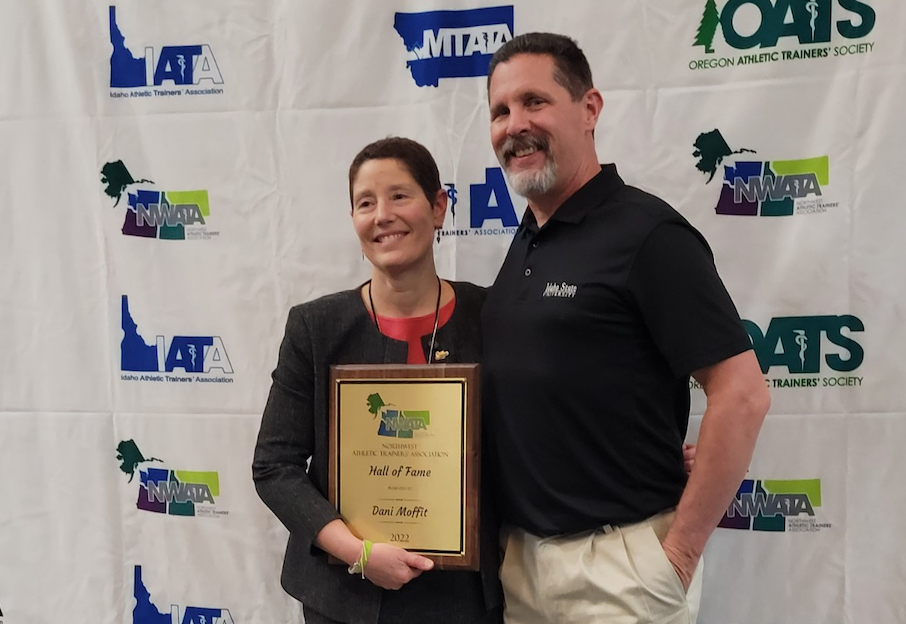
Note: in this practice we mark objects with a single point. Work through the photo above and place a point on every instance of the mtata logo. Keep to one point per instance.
(491, 208)
(763, 24)
(152, 213)
(397, 423)
(198, 356)
(146, 610)
(775, 505)
(452, 44)
(182, 67)
(170, 492)
(775, 188)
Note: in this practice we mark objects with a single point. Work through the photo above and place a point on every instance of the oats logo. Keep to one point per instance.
(809, 346)
(452, 44)
(560, 290)
(747, 24)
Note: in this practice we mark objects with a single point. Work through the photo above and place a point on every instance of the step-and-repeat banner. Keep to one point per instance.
(174, 179)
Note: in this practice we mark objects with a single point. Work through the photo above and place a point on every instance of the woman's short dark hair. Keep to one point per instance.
(571, 70)
(414, 156)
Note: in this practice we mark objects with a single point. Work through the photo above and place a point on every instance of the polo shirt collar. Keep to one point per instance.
(591, 195)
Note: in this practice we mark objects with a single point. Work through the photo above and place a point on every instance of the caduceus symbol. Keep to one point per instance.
(192, 352)
(201, 619)
(802, 341)
(181, 61)
(812, 7)
(451, 193)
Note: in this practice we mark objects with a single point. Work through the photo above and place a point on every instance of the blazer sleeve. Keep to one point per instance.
(286, 439)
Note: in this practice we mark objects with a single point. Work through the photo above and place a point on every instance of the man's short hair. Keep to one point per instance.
(571, 69)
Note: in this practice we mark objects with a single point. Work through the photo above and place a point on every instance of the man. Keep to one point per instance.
(607, 302)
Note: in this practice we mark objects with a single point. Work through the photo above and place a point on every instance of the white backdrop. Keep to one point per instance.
(157, 341)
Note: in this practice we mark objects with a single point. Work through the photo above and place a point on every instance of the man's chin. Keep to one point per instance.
(529, 183)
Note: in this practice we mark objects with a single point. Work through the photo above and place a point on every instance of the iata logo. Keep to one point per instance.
(170, 70)
(147, 611)
(491, 210)
(764, 24)
(197, 356)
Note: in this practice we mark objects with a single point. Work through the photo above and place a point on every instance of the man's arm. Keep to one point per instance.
(737, 401)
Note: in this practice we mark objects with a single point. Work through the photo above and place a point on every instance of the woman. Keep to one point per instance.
(403, 314)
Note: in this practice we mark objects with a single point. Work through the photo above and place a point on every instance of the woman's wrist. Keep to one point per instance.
(359, 565)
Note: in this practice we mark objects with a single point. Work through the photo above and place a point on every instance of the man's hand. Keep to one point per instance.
(683, 564)
(737, 401)
(391, 567)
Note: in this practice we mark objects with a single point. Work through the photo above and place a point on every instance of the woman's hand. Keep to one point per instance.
(688, 457)
(391, 567)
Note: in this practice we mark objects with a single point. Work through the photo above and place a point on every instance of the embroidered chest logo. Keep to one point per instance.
(560, 290)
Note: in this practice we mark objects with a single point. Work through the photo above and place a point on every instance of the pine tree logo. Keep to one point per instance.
(707, 27)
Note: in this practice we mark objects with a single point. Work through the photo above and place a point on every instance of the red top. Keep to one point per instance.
(411, 329)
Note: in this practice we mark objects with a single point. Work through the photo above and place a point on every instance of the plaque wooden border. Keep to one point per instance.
(470, 467)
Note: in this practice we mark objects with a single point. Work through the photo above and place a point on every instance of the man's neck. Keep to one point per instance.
(544, 206)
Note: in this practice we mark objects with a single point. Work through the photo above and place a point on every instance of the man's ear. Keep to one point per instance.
(593, 103)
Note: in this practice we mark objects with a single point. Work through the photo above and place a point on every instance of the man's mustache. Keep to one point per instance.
(519, 142)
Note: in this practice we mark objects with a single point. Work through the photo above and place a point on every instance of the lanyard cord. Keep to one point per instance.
(436, 317)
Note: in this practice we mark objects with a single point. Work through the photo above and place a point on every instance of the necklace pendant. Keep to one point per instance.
(440, 355)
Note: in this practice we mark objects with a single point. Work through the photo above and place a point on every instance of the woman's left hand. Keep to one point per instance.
(688, 457)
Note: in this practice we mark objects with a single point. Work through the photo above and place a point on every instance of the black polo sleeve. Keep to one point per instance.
(683, 301)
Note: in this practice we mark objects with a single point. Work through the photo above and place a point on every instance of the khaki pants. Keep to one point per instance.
(617, 575)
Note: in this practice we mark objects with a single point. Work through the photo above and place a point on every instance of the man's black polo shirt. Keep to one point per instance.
(590, 333)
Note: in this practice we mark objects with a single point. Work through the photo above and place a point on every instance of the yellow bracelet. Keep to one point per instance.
(358, 567)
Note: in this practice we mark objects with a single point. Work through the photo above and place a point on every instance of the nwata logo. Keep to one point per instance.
(203, 359)
(397, 423)
(491, 208)
(765, 24)
(170, 70)
(452, 44)
(775, 505)
(776, 188)
(152, 213)
(170, 492)
(147, 611)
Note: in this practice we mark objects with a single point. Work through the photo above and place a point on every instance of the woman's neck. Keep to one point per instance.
(413, 293)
